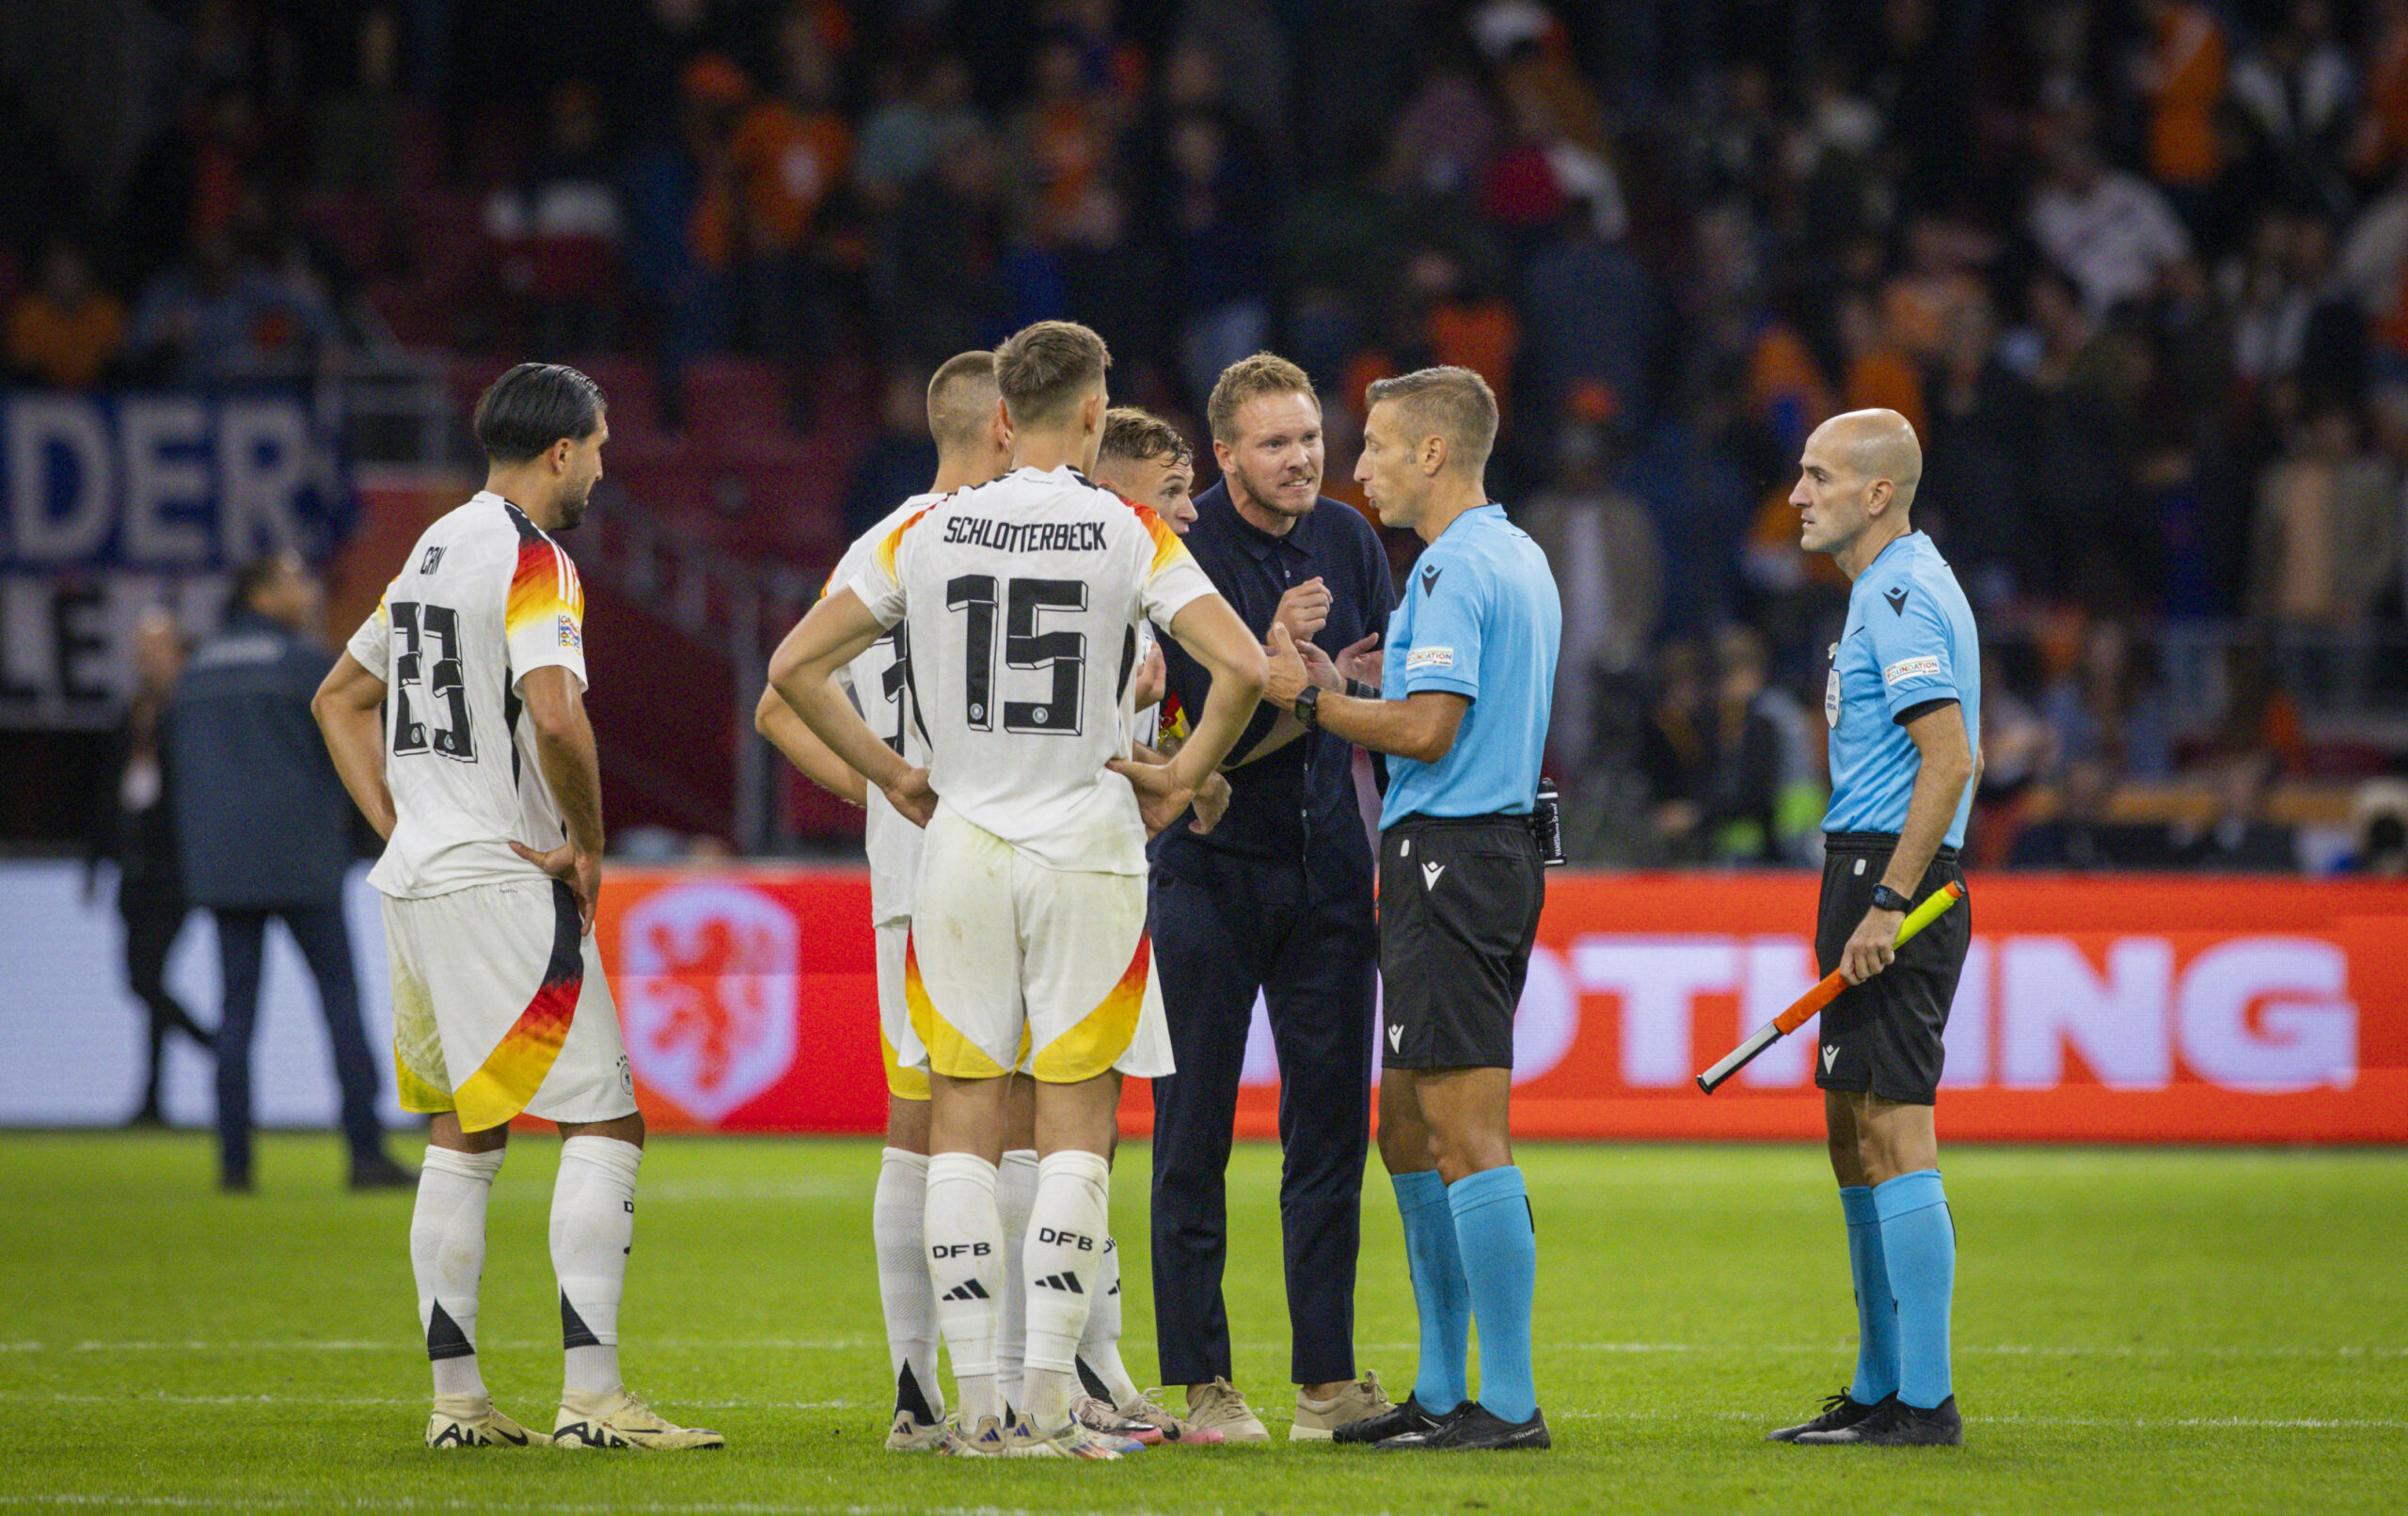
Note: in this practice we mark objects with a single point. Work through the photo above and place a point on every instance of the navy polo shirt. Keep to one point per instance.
(1293, 834)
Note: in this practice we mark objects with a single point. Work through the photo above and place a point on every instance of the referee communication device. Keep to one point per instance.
(1825, 991)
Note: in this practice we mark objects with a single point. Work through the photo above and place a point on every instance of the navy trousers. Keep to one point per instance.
(1314, 967)
(324, 942)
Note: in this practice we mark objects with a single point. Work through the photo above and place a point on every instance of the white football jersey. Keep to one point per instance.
(1022, 599)
(484, 597)
(880, 682)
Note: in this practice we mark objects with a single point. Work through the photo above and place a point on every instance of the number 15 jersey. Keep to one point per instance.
(1022, 598)
(483, 598)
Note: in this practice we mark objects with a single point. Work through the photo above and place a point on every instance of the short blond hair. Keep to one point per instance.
(961, 399)
(1042, 370)
(1448, 401)
(1250, 378)
(1140, 436)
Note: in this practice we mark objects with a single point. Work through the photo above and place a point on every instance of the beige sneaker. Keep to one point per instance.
(470, 1421)
(1219, 1406)
(1168, 1426)
(985, 1440)
(1069, 1440)
(910, 1436)
(623, 1420)
(1316, 1419)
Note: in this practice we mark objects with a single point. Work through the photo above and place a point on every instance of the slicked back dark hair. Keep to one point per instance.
(533, 405)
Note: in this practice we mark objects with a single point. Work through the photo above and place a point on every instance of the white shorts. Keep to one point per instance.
(1013, 965)
(500, 1007)
(899, 1047)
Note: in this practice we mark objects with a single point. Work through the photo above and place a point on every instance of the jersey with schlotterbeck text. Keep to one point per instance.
(483, 598)
(880, 682)
(1022, 599)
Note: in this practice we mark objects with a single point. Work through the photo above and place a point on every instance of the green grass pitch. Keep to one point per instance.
(2137, 1331)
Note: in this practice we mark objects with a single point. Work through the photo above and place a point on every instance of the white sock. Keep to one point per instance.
(966, 1273)
(447, 1255)
(1100, 1344)
(1015, 1197)
(898, 1222)
(1064, 1255)
(594, 1227)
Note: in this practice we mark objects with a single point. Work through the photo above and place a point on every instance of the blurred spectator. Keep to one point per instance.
(902, 138)
(2241, 839)
(1591, 315)
(902, 458)
(559, 226)
(264, 829)
(67, 332)
(2109, 231)
(2327, 529)
(2107, 710)
(1878, 375)
(220, 316)
(1677, 748)
(1762, 801)
(1445, 135)
(2295, 90)
(937, 271)
(2018, 750)
(2079, 836)
(2181, 74)
(1060, 140)
(356, 146)
(1219, 230)
(2379, 828)
(1977, 456)
(135, 828)
(1610, 574)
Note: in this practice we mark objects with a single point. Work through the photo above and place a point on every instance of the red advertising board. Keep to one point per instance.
(2092, 1009)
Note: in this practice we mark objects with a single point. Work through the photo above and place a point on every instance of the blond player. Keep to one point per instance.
(1028, 951)
(456, 717)
(973, 445)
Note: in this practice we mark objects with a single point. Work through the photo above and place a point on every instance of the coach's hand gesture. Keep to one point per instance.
(1873, 947)
(912, 795)
(580, 872)
(1304, 610)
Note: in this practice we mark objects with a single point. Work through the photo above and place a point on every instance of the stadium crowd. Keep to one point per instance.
(2134, 272)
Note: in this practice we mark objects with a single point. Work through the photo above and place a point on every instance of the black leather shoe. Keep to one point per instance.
(1394, 1422)
(381, 1173)
(1897, 1424)
(1473, 1429)
(1838, 1412)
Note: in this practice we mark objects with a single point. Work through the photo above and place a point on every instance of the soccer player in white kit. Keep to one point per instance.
(456, 718)
(973, 445)
(1028, 951)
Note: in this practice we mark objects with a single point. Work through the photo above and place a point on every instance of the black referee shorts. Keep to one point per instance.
(1884, 1035)
(1459, 910)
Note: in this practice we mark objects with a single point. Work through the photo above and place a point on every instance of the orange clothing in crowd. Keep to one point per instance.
(1786, 387)
(1917, 308)
(2185, 80)
(782, 166)
(66, 349)
(1886, 378)
(1062, 154)
(1481, 336)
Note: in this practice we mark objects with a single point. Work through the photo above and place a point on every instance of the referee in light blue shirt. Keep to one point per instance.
(1904, 701)
(1463, 715)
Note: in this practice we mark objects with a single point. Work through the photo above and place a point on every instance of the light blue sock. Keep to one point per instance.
(1439, 1292)
(1919, 1246)
(1501, 1256)
(1876, 1314)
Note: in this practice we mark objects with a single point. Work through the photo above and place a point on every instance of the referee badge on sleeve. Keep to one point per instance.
(1831, 690)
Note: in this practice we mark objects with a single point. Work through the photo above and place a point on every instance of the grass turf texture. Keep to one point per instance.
(2141, 1331)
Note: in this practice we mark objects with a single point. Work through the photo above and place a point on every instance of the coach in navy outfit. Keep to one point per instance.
(1277, 898)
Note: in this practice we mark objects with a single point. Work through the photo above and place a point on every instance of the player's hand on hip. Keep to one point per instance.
(1361, 660)
(1873, 947)
(1211, 803)
(913, 797)
(580, 872)
(1304, 610)
(1161, 796)
(1288, 676)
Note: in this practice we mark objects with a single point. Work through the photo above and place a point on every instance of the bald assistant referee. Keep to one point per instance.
(1904, 703)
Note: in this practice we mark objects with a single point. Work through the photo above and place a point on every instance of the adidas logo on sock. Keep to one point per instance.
(969, 1289)
(1069, 1282)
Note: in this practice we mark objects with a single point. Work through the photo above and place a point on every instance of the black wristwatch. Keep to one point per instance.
(1309, 705)
(1885, 899)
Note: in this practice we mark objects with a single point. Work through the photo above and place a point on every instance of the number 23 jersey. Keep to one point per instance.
(483, 598)
(1022, 598)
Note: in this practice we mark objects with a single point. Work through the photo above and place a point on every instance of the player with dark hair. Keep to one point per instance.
(456, 718)
(1904, 703)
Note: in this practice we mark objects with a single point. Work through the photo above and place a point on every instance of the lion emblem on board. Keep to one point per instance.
(707, 978)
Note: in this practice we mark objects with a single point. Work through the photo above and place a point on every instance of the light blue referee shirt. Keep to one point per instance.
(1910, 640)
(1478, 617)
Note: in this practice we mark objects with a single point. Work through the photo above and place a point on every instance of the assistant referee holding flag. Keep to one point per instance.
(1462, 712)
(1904, 701)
